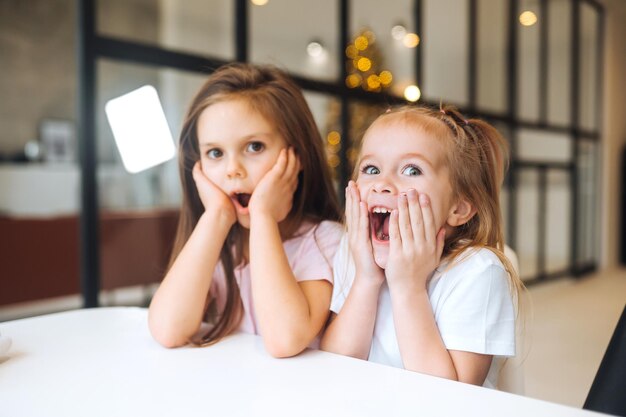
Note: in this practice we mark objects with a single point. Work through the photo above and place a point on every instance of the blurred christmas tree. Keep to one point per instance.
(365, 69)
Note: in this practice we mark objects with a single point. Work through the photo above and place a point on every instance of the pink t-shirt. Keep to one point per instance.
(310, 253)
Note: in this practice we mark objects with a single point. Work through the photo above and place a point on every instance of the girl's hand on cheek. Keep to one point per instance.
(273, 195)
(358, 223)
(415, 245)
(213, 198)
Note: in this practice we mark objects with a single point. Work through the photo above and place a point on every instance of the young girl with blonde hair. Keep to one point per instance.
(258, 224)
(421, 280)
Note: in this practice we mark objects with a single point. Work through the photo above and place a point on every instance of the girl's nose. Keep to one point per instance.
(383, 185)
(235, 169)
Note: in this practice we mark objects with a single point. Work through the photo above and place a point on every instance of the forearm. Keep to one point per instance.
(177, 307)
(421, 346)
(281, 307)
(350, 332)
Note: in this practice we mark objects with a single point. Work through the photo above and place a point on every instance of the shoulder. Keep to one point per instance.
(328, 229)
(322, 237)
(326, 234)
(473, 270)
(472, 260)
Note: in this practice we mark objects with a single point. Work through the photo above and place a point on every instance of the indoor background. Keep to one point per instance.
(77, 229)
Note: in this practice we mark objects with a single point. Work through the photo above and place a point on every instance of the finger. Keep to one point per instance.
(196, 171)
(395, 240)
(364, 222)
(291, 168)
(361, 212)
(281, 163)
(417, 219)
(349, 210)
(430, 230)
(404, 221)
(354, 210)
(415, 214)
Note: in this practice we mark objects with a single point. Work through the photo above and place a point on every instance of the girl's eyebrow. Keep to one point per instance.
(244, 138)
(418, 156)
(411, 155)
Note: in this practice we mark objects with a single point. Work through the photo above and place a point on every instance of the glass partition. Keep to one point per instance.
(528, 56)
(541, 146)
(558, 233)
(492, 56)
(588, 201)
(588, 64)
(305, 43)
(203, 27)
(156, 187)
(559, 62)
(391, 45)
(138, 212)
(527, 214)
(445, 53)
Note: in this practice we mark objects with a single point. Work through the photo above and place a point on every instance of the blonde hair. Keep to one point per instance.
(273, 94)
(477, 159)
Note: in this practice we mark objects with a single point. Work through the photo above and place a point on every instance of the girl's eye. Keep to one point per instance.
(411, 171)
(255, 147)
(214, 153)
(370, 170)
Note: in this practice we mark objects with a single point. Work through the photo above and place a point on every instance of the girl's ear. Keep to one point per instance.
(461, 213)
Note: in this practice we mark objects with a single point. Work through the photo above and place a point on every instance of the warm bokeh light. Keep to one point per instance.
(333, 161)
(412, 93)
(333, 137)
(398, 32)
(352, 52)
(373, 82)
(385, 77)
(361, 43)
(411, 40)
(528, 18)
(352, 154)
(370, 36)
(259, 2)
(364, 64)
(353, 80)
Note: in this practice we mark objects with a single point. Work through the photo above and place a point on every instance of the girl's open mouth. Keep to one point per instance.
(243, 199)
(379, 221)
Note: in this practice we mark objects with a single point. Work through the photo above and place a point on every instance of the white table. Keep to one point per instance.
(103, 362)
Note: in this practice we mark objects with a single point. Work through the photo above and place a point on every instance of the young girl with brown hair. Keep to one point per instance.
(258, 223)
(421, 280)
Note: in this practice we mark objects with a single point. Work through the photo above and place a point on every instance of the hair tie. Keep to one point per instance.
(442, 111)
(466, 122)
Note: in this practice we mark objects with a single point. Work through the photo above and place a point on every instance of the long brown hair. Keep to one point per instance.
(279, 100)
(477, 159)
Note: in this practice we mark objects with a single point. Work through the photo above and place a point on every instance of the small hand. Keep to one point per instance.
(359, 237)
(415, 246)
(213, 198)
(273, 195)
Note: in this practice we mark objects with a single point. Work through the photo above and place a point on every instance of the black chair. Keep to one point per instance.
(608, 390)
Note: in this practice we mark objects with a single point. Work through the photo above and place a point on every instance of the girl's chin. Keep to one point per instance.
(243, 220)
(380, 256)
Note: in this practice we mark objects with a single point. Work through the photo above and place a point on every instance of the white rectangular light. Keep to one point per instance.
(140, 129)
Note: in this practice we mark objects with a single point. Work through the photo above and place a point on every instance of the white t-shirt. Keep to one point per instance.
(471, 302)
